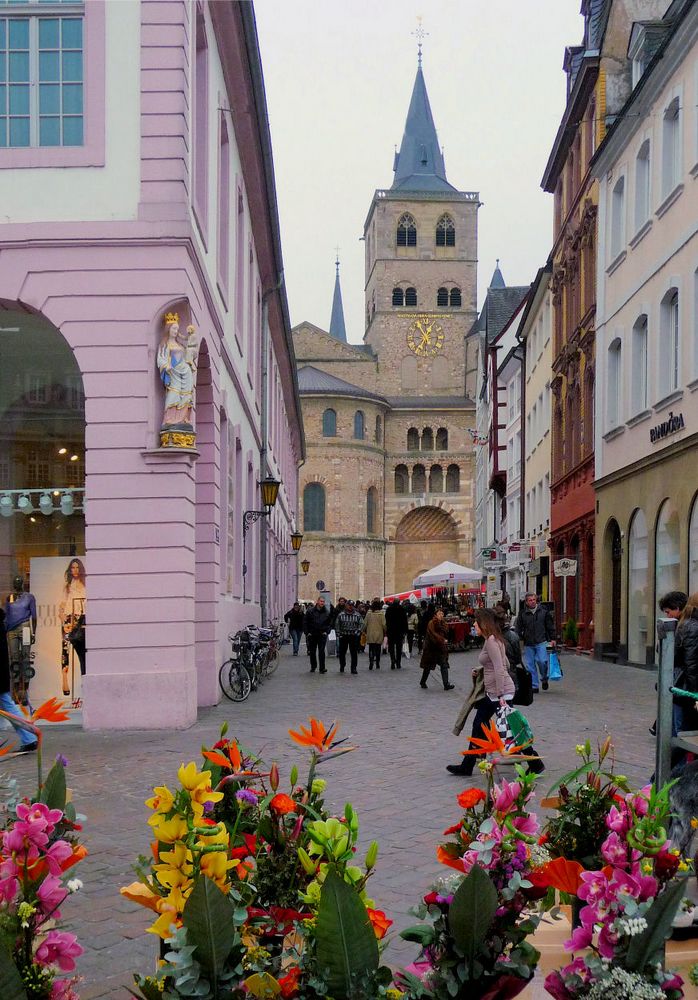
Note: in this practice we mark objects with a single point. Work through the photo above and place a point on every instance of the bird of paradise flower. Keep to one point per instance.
(322, 743)
(51, 710)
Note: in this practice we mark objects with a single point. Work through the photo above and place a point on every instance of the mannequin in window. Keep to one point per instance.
(72, 610)
(20, 624)
(176, 361)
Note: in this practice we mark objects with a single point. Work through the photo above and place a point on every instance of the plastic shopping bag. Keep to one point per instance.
(513, 727)
(406, 650)
(554, 668)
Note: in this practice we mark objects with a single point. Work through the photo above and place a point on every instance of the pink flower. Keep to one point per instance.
(594, 887)
(582, 935)
(59, 948)
(505, 795)
(528, 825)
(9, 887)
(607, 941)
(614, 850)
(51, 894)
(62, 989)
(38, 812)
(618, 819)
(57, 853)
(555, 986)
(640, 802)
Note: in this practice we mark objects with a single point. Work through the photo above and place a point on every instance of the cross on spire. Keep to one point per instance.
(336, 263)
(420, 34)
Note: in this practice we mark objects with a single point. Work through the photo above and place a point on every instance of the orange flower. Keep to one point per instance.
(282, 804)
(470, 798)
(232, 762)
(5, 749)
(317, 736)
(139, 893)
(493, 743)
(379, 922)
(448, 855)
(559, 874)
(453, 829)
(52, 711)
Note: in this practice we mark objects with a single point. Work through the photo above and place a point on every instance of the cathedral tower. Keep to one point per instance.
(421, 267)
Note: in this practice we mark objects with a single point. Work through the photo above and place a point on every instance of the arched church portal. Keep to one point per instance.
(425, 536)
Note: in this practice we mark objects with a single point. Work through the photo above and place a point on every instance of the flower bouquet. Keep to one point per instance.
(475, 945)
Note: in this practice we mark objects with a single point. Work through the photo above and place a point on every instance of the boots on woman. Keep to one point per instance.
(444, 678)
(423, 682)
(465, 768)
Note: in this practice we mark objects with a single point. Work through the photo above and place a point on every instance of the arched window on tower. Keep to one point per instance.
(436, 479)
(406, 231)
(329, 423)
(359, 425)
(445, 232)
(442, 297)
(371, 510)
(410, 296)
(379, 429)
(419, 479)
(413, 439)
(455, 297)
(314, 507)
(453, 479)
(427, 439)
(442, 439)
(401, 479)
(398, 297)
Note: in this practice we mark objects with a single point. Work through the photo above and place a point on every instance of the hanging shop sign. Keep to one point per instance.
(565, 567)
(671, 425)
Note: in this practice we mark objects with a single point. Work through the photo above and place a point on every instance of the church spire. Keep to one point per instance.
(497, 280)
(337, 328)
(419, 166)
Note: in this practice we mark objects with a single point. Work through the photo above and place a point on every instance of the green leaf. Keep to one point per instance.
(208, 918)
(648, 946)
(421, 933)
(54, 791)
(11, 987)
(346, 945)
(471, 913)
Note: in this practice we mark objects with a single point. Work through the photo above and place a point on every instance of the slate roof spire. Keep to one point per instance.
(497, 280)
(337, 328)
(419, 166)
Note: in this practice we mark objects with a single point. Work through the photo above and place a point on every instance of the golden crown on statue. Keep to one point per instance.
(171, 318)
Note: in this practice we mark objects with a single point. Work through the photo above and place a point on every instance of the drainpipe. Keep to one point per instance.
(263, 463)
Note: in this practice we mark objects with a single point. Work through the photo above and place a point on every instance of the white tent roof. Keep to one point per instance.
(445, 575)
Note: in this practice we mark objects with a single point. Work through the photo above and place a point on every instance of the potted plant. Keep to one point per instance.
(570, 632)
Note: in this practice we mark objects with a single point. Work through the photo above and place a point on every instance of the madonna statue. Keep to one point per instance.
(176, 362)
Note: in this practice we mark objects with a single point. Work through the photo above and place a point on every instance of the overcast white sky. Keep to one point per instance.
(339, 76)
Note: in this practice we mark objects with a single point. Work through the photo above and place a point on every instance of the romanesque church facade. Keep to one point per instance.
(387, 486)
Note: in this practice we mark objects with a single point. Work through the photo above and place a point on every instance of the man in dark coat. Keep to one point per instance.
(536, 627)
(396, 630)
(318, 622)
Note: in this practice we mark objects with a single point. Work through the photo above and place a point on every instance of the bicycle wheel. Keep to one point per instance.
(272, 659)
(234, 680)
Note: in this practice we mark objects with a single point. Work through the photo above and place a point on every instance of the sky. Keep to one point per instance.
(339, 75)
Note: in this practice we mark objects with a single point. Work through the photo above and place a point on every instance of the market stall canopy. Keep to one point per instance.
(446, 574)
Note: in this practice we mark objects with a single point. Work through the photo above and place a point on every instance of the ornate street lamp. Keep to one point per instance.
(305, 566)
(269, 488)
(296, 540)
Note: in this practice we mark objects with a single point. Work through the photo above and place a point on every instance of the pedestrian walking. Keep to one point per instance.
(671, 605)
(685, 672)
(536, 627)
(27, 739)
(374, 627)
(396, 630)
(412, 627)
(496, 681)
(425, 616)
(295, 619)
(318, 622)
(435, 651)
(349, 625)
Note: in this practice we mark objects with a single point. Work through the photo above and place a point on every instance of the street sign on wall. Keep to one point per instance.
(565, 567)
(320, 585)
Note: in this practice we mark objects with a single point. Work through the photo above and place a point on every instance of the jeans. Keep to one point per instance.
(8, 705)
(395, 650)
(351, 643)
(316, 644)
(535, 658)
(296, 636)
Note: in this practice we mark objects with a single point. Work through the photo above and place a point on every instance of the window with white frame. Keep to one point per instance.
(510, 457)
(671, 147)
(639, 365)
(642, 185)
(670, 343)
(41, 74)
(517, 454)
(613, 385)
(618, 217)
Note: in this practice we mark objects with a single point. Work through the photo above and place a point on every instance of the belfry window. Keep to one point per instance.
(406, 231)
(445, 232)
(398, 297)
(411, 297)
(455, 297)
(442, 297)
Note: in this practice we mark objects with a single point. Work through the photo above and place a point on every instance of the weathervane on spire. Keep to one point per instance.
(420, 34)
(336, 263)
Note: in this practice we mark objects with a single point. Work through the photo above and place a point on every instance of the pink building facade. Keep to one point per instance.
(137, 179)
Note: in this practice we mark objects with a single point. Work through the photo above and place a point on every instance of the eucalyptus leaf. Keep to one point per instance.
(421, 933)
(648, 946)
(346, 945)
(208, 918)
(471, 913)
(54, 791)
(11, 987)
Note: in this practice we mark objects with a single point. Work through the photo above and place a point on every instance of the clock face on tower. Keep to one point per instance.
(425, 336)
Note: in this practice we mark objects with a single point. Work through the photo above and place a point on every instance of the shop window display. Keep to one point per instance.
(42, 528)
(667, 552)
(693, 549)
(638, 581)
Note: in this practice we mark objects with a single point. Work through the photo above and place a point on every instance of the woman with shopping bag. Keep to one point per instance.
(498, 686)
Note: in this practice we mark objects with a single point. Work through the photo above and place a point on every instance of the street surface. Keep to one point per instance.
(396, 780)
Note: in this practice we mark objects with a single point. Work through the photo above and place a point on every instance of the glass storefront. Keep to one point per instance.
(638, 581)
(42, 479)
(693, 549)
(667, 571)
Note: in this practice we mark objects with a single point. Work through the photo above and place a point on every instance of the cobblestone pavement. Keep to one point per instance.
(396, 779)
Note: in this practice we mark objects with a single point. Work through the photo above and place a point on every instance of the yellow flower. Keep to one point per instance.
(201, 795)
(170, 910)
(161, 802)
(176, 866)
(694, 823)
(190, 778)
(216, 867)
(168, 831)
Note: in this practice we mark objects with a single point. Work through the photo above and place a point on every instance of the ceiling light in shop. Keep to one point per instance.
(6, 506)
(46, 504)
(24, 504)
(67, 504)
(62, 451)
(73, 458)
(33, 520)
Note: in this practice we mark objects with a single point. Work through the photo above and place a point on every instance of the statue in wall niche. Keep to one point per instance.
(176, 362)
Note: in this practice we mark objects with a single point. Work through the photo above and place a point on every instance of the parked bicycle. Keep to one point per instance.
(255, 656)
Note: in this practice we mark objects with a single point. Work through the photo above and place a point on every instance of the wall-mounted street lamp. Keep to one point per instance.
(269, 488)
(296, 542)
(305, 566)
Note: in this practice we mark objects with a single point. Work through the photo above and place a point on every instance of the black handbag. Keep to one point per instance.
(524, 687)
(76, 636)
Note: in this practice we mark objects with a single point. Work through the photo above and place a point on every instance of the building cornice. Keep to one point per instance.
(647, 461)
(570, 124)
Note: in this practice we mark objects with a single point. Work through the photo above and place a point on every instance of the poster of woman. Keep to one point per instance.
(59, 584)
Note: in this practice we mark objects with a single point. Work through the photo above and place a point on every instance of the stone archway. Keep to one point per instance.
(425, 536)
